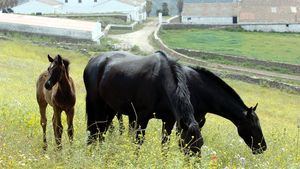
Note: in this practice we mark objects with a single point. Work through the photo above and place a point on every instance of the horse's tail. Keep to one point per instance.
(179, 99)
(91, 79)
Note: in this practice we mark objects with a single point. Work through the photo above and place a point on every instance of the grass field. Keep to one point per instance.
(21, 134)
(280, 47)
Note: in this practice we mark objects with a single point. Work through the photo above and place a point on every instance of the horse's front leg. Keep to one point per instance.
(70, 117)
(57, 126)
(167, 127)
(43, 122)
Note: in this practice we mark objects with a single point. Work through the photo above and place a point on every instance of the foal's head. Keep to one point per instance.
(251, 132)
(57, 69)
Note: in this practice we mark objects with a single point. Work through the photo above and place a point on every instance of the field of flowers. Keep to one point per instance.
(21, 134)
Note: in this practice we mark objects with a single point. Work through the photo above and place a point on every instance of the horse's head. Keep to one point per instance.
(58, 67)
(249, 129)
(191, 138)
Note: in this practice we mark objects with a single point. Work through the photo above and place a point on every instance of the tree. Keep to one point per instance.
(8, 3)
(165, 9)
(179, 6)
(148, 7)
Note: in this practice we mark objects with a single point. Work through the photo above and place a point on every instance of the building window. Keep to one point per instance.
(189, 18)
(66, 1)
(294, 9)
(274, 9)
(234, 20)
(79, 1)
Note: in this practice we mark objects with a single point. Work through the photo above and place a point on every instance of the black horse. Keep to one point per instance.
(208, 93)
(142, 88)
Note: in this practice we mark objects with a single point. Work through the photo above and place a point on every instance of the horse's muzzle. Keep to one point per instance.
(260, 150)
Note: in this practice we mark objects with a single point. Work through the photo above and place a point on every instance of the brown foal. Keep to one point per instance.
(56, 88)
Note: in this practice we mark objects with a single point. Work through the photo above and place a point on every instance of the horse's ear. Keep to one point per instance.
(59, 59)
(50, 58)
(248, 112)
(66, 63)
(254, 108)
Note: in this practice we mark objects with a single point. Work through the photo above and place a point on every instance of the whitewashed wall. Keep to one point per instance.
(272, 27)
(86, 6)
(35, 6)
(207, 20)
(93, 35)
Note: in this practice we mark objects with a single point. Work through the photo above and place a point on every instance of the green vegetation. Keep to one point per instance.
(21, 134)
(280, 47)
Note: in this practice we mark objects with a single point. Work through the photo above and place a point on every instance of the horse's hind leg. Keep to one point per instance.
(70, 117)
(132, 124)
(141, 130)
(43, 121)
(57, 126)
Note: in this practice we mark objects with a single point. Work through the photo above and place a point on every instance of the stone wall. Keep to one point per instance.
(205, 55)
(272, 27)
(194, 26)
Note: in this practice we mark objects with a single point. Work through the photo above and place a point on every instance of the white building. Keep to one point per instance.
(270, 16)
(135, 9)
(51, 26)
(210, 13)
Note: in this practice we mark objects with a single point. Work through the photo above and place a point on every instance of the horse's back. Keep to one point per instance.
(121, 78)
(40, 95)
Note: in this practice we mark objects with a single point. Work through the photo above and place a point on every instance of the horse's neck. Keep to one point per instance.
(64, 86)
(232, 112)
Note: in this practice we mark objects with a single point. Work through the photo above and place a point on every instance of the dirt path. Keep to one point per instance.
(140, 37)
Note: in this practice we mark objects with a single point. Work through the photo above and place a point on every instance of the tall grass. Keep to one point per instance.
(21, 133)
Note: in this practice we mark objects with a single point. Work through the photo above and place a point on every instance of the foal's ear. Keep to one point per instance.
(66, 63)
(50, 58)
(59, 59)
(254, 108)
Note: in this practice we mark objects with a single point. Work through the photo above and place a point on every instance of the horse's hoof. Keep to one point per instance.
(59, 148)
(45, 146)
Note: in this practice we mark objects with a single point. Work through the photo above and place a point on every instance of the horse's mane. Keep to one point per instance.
(180, 98)
(66, 63)
(220, 83)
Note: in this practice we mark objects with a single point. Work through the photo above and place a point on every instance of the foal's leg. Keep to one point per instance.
(57, 126)
(70, 117)
(43, 106)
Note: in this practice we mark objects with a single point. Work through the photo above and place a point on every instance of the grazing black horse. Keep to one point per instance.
(142, 88)
(211, 94)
